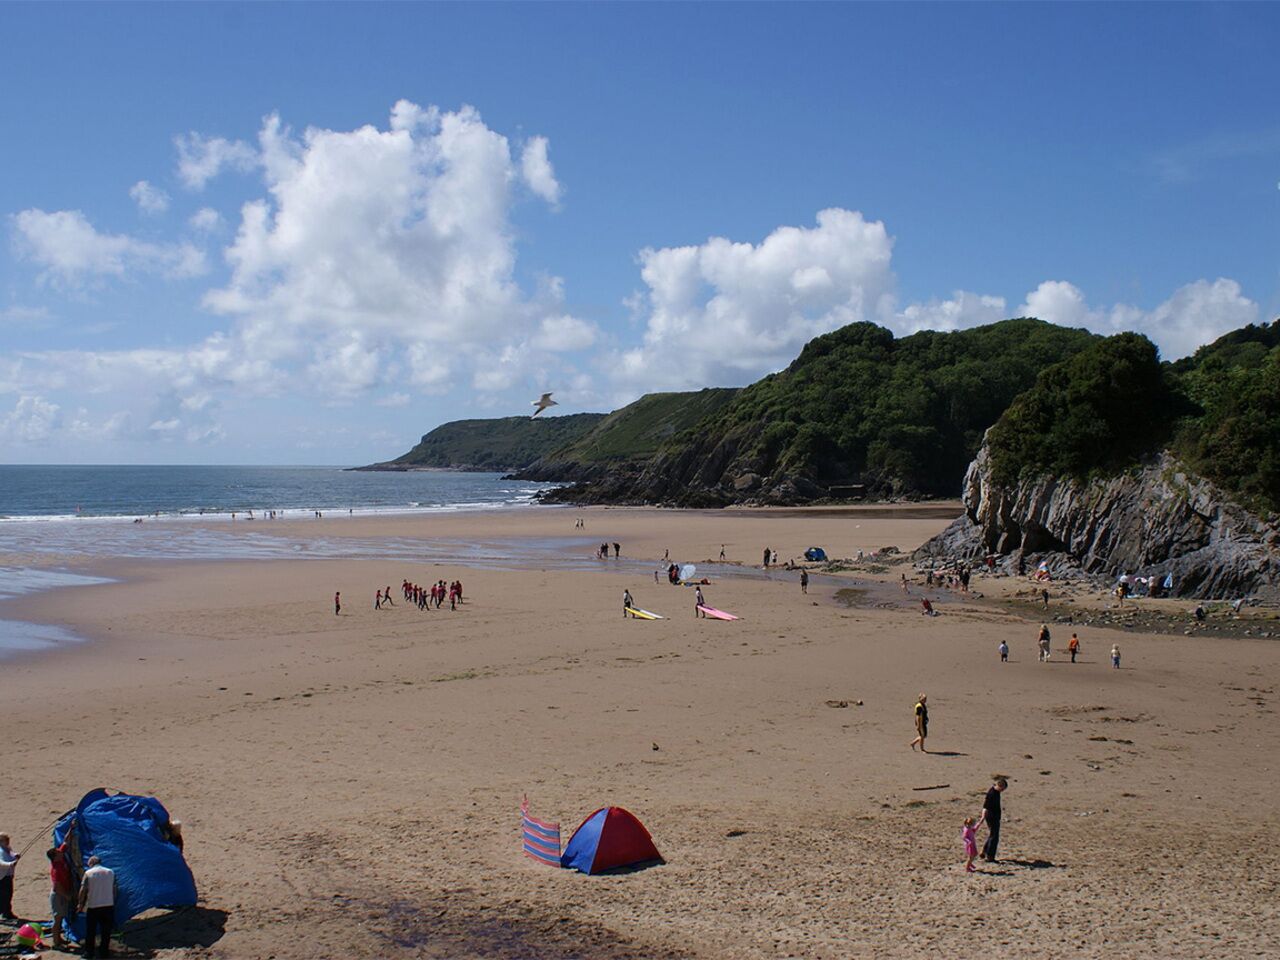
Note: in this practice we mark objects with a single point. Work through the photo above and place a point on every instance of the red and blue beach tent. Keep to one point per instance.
(609, 838)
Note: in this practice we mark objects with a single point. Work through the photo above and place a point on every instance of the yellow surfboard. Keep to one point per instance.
(643, 614)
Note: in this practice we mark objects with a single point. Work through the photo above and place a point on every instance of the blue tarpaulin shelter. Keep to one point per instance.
(129, 834)
(815, 553)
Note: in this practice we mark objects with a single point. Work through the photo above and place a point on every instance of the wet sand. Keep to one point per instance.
(350, 785)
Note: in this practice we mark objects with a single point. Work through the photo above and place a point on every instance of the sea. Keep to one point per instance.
(51, 514)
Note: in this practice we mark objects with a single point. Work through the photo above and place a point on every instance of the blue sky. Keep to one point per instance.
(309, 233)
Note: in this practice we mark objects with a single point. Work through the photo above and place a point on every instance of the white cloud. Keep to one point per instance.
(205, 220)
(963, 310)
(564, 332)
(378, 244)
(1197, 313)
(32, 420)
(30, 317)
(724, 312)
(393, 400)
(68, 248)
(200, 159)
(536, 169)
(149, 198)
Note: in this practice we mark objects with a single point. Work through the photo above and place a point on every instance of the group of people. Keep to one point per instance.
(603, 552)
(96, 897)
(1045, 650)
(956, 578)
(428, 597)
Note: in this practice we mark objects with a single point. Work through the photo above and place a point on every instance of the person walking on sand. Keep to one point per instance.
(8, 860)
(386, 597)
(969, 834)
(1004, 651)
(722, 553)
(627, 603)
(991, 817)
(1074, 646)
(377, 600)
(1042, 641)
(767, 551)
(617, 550)
(337, 604)
(804, 581)
(1115, 656)
(922, 723)
(698, 602)
(98, 903)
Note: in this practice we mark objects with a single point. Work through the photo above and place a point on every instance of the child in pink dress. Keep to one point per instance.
(970, 836)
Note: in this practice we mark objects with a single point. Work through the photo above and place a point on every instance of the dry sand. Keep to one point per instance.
(350, 785)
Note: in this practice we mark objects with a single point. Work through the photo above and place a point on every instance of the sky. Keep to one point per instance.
(309, 233)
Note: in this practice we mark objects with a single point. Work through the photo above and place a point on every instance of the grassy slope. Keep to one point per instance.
(636, 431)
(858, 405)
(508, 443)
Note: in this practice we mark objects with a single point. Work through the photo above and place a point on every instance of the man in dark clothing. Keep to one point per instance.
(991, 817)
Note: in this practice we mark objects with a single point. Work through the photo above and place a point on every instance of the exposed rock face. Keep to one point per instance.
(1158, 520)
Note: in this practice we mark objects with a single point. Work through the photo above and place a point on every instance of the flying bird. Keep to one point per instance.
(542, 403)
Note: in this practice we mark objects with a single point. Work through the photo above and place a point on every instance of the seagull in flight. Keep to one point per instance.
(542, 403)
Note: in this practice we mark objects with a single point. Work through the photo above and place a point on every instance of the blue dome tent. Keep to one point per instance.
(129, 835)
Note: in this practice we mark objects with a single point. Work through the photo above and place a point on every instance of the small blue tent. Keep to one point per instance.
(815, 554)
(127, 834)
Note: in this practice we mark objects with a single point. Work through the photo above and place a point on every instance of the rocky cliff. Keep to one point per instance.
(1156, 519)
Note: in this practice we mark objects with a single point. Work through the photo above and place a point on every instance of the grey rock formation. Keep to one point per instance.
(1157, 520)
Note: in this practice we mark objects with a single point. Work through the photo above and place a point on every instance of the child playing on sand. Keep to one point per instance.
(1004, 652)
(1115, 656)
(970, 836)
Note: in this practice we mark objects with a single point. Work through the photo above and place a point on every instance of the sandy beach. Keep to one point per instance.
(350, 785)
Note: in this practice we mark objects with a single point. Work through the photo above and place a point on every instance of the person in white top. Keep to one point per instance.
(8, 860)
(98, 902)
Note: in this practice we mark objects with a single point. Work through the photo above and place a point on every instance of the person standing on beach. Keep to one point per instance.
(804, 581)
(1074, 646)
(8, 860)
(991, 817)
(627, 603)
(1004, 651)
(61, 890)
(386, 597)
(969, 834)
(698, 602)
(617, 550)
(722, 553)
(1115, 656)
(922, 723)
(767, 551)
(377, 600)
(98, 904)
(337, 604)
